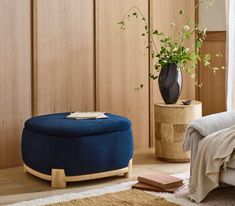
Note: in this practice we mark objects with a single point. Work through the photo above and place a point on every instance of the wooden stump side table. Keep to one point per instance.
(171, 121)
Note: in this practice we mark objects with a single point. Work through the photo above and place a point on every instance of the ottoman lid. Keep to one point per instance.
(58, 125)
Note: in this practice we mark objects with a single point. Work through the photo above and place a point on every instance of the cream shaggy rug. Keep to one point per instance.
(219, 197)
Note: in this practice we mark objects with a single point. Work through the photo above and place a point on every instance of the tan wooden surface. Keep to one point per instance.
(63, 63)
(36, 173)
(63, 55)
(152, 84)
(58, 178)
(212, 93)
(170, 125)
(15, 77)
(164, 12)
(15, 185)
(129, 172)
(122, 65)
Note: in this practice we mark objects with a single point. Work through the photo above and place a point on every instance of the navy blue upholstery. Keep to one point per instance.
(77, 146)
(57, 124)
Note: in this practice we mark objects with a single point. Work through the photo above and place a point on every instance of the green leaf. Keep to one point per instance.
(206, 63)
(187, 34)
(181, 12)
(155, 32)
(121, 22)
(152, 76)
(198, 44)
(135, 14)
(207, 57)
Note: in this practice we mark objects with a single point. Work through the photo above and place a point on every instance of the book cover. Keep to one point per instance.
(161, 180)
(142, 186)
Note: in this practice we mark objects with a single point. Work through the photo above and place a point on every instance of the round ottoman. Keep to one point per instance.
(62, 150)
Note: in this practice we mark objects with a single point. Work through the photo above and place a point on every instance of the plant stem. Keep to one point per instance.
(146, 24)
(190, 20)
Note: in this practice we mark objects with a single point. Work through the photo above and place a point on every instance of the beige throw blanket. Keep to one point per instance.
(214, 151)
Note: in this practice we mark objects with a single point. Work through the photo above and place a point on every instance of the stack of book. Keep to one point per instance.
(158, 182)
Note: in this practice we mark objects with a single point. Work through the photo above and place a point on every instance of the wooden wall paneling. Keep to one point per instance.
(197, 69)
(164, 12)
(63, 55)
(151, 83)
(212, 92)
(122, 65)
(15, 77)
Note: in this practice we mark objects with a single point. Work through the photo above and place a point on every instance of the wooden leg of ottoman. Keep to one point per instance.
(58, 179)
(24, 169)
(128, 174)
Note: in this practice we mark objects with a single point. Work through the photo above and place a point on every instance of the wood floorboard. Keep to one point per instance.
(15, 185)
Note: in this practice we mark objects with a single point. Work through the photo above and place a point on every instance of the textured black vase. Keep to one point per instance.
(170, 83)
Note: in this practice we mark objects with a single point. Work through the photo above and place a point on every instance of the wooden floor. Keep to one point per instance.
(15, 185)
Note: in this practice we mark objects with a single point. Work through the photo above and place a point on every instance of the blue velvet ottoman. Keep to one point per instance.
(62, 150)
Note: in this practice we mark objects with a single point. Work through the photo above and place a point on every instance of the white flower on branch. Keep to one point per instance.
(186, 27)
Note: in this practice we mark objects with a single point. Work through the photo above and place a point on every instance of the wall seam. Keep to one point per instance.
(94, 53)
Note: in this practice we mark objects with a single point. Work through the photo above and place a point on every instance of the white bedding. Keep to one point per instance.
(204, 126)
(214, 151)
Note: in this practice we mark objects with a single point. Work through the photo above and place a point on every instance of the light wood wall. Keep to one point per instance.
(212, 92)
(63, 55)
(70, 55)
(164, 12)
(15, 77)
(122, 65)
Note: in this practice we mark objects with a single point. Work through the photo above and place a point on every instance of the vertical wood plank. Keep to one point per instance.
(63, 55)
(151, 83)
(164, 13)
(15, 77)
(122, 65)
(212, 93)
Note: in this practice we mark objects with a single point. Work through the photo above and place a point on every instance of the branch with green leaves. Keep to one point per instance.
(173, 49)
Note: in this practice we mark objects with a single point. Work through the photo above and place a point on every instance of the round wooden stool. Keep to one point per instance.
(171, 121)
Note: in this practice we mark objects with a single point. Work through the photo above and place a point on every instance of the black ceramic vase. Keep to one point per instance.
(170, 83)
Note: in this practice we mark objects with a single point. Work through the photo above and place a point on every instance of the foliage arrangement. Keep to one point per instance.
(173, 49)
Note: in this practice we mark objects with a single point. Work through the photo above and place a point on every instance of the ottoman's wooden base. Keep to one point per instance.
(58, 178)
